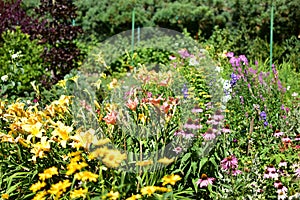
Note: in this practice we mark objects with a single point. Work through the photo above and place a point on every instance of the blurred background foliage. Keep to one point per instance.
(242, 26)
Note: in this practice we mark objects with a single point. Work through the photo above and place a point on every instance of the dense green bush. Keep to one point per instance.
(21, 63)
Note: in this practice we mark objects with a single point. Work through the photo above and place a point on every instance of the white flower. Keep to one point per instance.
(16, 55)
(225, 98)
(288, 87)
(226, 85)
(294, 94)
(193, 61)
(4, 78)
(219, 69)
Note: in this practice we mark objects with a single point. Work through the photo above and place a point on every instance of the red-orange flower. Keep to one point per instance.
(111, 118)
(132, 104)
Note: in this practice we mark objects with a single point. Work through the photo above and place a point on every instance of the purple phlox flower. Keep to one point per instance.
(287, 109)
(252, 71)
(256, 63)
(204, 181)
(185, 91)
(282, 107)
(279, 84)
(263, 115)
(260, 78)
(244, 59)
(184, 53)
(234, 79)
(229, 163)
(230, 54)
(235, 62)
(240, 70)
(35, 100)
(209, 134)
(266, 123)
(242, 99)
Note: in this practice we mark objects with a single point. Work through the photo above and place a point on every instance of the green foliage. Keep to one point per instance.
(241, 42)
(21, 62)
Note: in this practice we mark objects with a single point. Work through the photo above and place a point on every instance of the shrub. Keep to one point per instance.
(20, 63)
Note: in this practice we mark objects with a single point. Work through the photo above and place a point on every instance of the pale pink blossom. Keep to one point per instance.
(204, 181)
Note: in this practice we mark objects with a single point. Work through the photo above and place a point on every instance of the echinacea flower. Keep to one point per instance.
(278, 133)
(209, 134)
(204, 181)
(282, 164)
(197, 109)
(231, 162)
(226, 129)
(218, 116)
(297, 172)
(281, 189)
(286, 140)
(277, 183)
(270, 172)
(191, 125)
(236, 172)
(172, 57)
